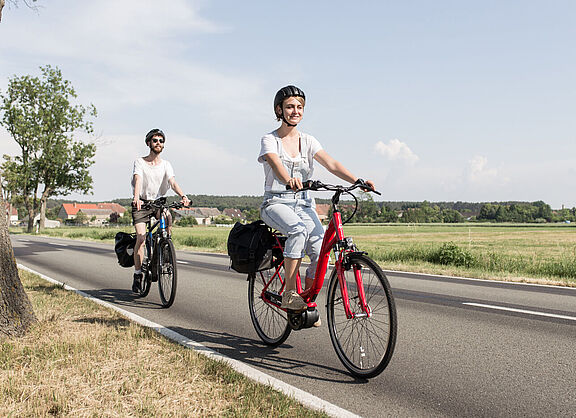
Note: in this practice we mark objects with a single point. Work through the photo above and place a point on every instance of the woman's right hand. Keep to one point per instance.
(294, 183)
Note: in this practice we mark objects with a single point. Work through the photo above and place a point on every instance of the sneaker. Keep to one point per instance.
(292, 300)
(317, 323)
(137, 283)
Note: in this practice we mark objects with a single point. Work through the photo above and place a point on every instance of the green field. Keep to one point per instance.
(520, 252)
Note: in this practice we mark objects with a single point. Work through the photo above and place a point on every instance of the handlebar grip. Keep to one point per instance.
(305, 185)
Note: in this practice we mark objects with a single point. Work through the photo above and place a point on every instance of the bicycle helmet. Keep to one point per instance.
(153, 133)
(284, 93)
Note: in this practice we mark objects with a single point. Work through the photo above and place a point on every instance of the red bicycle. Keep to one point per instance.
(360, 307)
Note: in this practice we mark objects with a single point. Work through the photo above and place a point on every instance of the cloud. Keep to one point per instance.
(396, 150)
(130, 55)
(478, 173)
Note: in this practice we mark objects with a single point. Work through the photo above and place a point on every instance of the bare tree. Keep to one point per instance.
(15, 4)
(16, 313)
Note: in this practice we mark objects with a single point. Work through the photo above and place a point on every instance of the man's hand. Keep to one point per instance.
(137, 203)
(185, 200)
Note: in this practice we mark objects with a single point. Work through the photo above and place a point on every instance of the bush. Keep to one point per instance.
(187, 221)
(450, 254)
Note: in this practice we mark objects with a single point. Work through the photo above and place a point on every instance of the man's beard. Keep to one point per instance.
(156, 152)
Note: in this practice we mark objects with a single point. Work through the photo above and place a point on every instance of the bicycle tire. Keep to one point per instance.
(270, 322)
(167, 272)
(364, 345)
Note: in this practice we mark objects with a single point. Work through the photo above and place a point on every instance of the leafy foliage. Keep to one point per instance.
(516, 212)
(451, 254)
(39, 115)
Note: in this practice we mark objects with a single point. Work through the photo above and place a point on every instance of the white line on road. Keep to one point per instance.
(182, 262)
(503, 308)
(305, 398)
(60, 245)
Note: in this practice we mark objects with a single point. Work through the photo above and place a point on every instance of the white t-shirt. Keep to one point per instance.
(154, 178)
(303, 163)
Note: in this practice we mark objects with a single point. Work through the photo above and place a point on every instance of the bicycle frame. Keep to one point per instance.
(333, 239)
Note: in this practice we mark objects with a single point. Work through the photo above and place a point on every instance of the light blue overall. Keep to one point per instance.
(293, 214)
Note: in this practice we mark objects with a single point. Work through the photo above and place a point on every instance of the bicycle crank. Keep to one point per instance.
(304, 319)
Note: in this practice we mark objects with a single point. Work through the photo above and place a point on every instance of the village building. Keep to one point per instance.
(99, 211)
(11, 214)
(203, 216)
(234, 214)
(322, 209)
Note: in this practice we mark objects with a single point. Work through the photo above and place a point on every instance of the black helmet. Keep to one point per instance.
(153, 133)
(284, 93)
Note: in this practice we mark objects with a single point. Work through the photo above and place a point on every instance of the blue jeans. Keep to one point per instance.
(297, 219)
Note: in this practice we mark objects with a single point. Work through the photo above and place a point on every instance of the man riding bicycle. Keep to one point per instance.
(151, 178)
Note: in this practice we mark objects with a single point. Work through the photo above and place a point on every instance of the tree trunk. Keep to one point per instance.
(31, 214)
(16, 313)
(42, 212)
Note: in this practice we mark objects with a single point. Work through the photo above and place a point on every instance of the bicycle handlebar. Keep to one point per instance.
(316, 185)
(161, 203)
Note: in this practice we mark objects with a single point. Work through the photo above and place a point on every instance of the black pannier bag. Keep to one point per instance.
(250, 247)
(124, 248)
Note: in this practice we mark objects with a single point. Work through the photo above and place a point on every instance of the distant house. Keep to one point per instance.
(235, 214)
(322, 209)
(11, 214)
(101, 211)
(204, 216)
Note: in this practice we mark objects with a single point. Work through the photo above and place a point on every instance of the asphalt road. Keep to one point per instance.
(465, 347)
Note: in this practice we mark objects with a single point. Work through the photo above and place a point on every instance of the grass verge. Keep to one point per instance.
(82, 359)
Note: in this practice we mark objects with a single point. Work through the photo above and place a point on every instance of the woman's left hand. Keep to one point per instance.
(371, 184)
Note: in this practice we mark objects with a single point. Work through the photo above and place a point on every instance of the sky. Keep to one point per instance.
(439, 101)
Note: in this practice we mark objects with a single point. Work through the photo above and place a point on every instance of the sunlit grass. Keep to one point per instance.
(81, 359)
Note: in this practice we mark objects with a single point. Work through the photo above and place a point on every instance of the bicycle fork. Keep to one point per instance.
(357, 269)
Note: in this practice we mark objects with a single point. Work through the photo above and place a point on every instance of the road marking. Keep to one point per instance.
(524, 311)
(58, 244)
(182, 262)
(305, 398)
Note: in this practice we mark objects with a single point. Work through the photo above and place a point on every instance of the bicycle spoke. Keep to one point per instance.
(270, 322)
(363, 343)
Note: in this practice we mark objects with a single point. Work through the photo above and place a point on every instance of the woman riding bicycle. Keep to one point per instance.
(288, 158)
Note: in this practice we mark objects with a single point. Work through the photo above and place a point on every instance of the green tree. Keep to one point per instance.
(39, 114)
(187, 221)
(81, 218)
(368, 210)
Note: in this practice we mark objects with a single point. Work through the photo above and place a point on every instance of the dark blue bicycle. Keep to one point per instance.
(159, 264)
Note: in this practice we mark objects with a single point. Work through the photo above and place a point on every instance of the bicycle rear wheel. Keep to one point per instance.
(364, 344)
(270, 322)
(167, 272)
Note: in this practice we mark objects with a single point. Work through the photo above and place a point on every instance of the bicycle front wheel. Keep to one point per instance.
(145, 282)
(167, 272)
(270, 322)
(363, 343)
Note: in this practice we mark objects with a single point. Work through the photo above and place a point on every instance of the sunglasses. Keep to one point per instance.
(154, 140)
